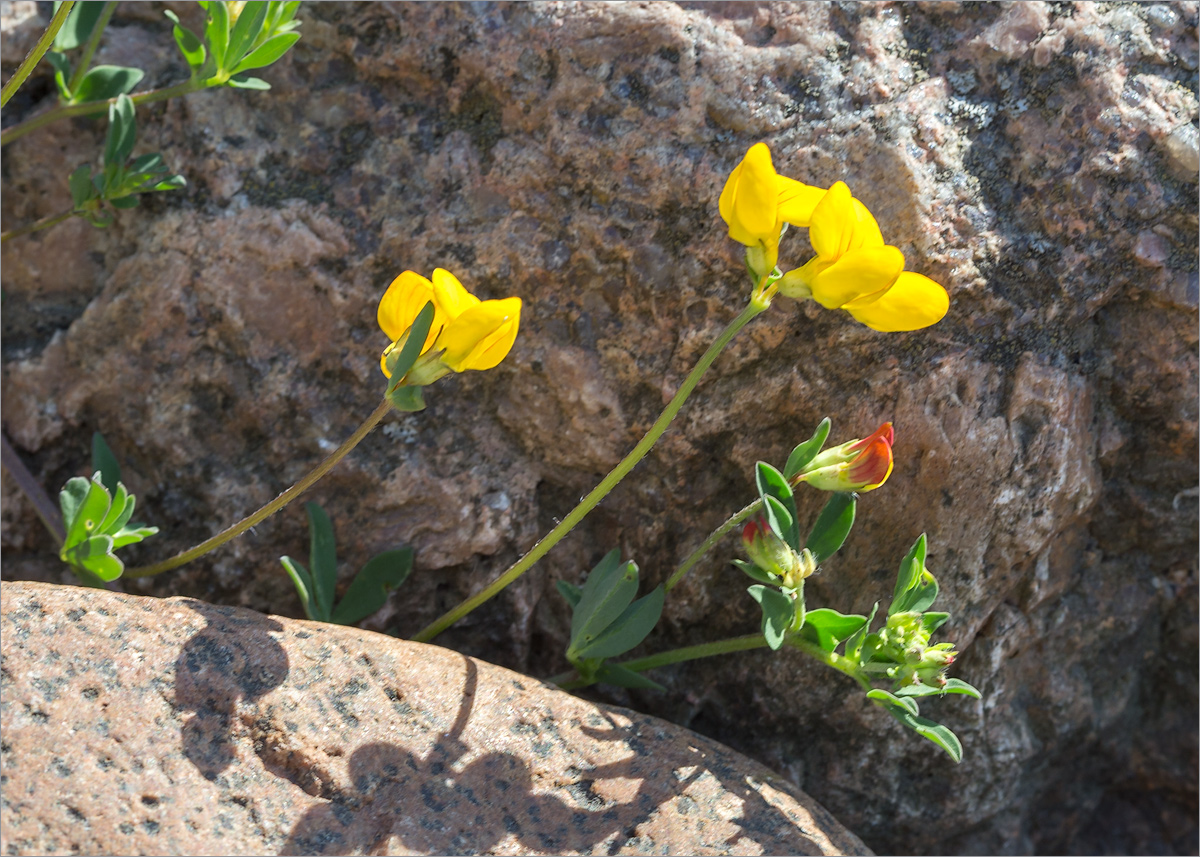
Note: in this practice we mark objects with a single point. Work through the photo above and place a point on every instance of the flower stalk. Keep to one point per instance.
(35, 56)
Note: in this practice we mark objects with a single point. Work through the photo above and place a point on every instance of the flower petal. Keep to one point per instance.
(748, 202)
(832, 223)
(914, 301)
(866, 229)
(482, 336)
(404, 298)
(796, 201)
(449, 296)
(857, 274)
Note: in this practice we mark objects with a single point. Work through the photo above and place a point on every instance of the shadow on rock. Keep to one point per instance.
(234, 660)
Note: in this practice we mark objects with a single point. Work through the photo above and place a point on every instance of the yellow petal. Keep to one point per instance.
(451, 299)
(832, 223)
(855, 275)
(404, 298)
(796, 201)
(387, 373)
(748, 202)
(913, 302)
(866, 230)
(482, 336)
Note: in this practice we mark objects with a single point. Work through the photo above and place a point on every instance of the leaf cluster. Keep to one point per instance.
(367, 592)
(606, 621)
(99, 83)
(236, 42)
(96, 516)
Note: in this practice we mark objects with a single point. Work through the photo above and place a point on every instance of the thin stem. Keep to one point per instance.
(831, 659)
(49, 514)
(89, 107)
(35, 55)
(271, 508)
(607, 484)
(89, 50)
(570, 680)
(44, 223)
(716, 535)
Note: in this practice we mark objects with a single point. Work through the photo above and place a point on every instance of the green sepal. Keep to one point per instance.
(854, 643)
(778, 613)
(189, 43)
(322, 559)
(608, 590)
(413, 345)
(77, 29)
(569, 591)
(629, 629)
(302, 580)
(244, 81)
(370, 588)
(781, 514)
(107, 81)
(122, 132)
(904, 709)
(833, 526)
(952, 685)
(407, 399)
(268, 52)
(828, 628)
(755, 573)
(807, 451)
(243, 32)
(622, 677)
(62, 72)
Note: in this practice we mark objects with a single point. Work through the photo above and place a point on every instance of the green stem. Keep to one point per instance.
(49, 514)
(35, 55)
(831, 659)
(607, 484)
(271, 508)
(716, 535)
(89, 50)
(89, 107)
(44, 223)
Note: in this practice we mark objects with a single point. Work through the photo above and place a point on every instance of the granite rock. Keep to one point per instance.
(136, 725)
(1037, 158)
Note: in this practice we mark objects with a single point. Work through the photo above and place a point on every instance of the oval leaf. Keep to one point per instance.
(608, 591)
(322, 559)
(268, 52)
(370, 588)
(107, 81)
(778, 613)
(807, 451)
(833, 526)
(629, 629)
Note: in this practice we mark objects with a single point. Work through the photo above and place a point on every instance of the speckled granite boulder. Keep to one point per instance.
(143, 726)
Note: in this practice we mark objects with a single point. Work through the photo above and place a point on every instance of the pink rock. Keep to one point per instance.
(144, 726)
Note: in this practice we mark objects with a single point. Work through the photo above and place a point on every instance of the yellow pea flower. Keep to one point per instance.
(756, 202)
(855, 271)
(466, 333)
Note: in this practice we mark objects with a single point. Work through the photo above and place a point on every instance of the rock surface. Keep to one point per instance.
(1037, 158)
(135, 725)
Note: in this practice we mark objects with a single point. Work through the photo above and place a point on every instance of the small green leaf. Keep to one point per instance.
(78, 27)
(80, 183)
(132, 534)
(781, 514)
(244, 81)
(107, 81)
(302, 580)
(62, 72)
(411, 349)
(124, 202)
(120, 500)
(932, 621)
(622, 677)
(833, 526)
(268, 52)
(71, 497)
(918, 598)
(778, 613)
(322, 559)
(171, 183)
(216, 31)
(369, 589)
(96, 555)
(909, 571)
(151, 163)
(608, 590)
(189, 43)
(245, 29)
(756, 573)
(905, 710)
(569, 591)
(854, 643)
(807, 451)
(953, 685)
(122, 132)
(629, 629)
(827, 628)
(90, 514)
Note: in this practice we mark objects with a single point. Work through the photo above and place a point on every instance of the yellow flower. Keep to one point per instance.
(855, 271)
(466, 333)
(757, 201)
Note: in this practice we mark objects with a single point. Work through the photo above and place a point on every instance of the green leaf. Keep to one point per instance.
(629, 629)
(62, 72)
(922, 591)
(903, 709)
(189, 43)
(932, 621)
(216, 31)
(132, 535)
(833, 526)
(953, 685)
(411, 350)
(909, 571)
(170, 183)
(778, 613)
(80, 183)
(70, 499)
(854, 643)
(116, 509)
(122, 132)
(268, 52)
(107, 81)
(245, 30)
(622, 677)
(302, 580)
(369, 589)
(243, 81)
(608, 590)
(124, 202)
(781, 514)
(150, 163)
(569, 591)
(78, 27)
(96, 555)
(827, 628)
(807, 451)
(89, 514)
(322, 558)
(756, 573)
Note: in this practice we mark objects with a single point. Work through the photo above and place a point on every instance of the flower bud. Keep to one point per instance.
(859, 465)
(775, 556)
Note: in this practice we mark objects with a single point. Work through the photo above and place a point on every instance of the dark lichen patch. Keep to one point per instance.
(280, 182)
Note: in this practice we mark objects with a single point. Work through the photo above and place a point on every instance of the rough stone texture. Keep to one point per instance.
(136, 725)
(1037, 158)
